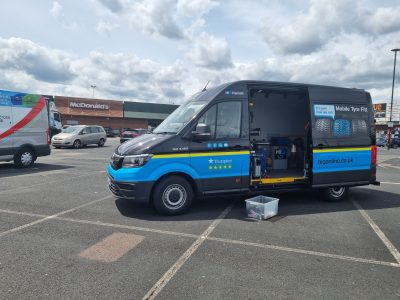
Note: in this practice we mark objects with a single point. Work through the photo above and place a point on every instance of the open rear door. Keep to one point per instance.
(341, 142)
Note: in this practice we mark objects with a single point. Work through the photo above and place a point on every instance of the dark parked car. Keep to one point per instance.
(130, 134)
(109, 132)
(395, 142)
(381, 142)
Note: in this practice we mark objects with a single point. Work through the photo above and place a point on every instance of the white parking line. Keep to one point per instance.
(307, 252)
(53, 216)
(73, 176)
(388, 182)
(162, 282)
(223, 240)
(39, 173)
(98, 223)
(378, 231)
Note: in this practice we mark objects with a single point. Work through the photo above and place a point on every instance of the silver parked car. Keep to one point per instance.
(80, 135)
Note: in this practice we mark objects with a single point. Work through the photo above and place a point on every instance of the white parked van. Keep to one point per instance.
(24, 127)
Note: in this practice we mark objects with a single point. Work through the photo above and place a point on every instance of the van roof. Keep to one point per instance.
(239, 89)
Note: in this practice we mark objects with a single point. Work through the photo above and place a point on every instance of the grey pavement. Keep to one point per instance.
(51, 213)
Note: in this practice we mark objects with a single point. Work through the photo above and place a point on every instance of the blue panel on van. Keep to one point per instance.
(335, 160)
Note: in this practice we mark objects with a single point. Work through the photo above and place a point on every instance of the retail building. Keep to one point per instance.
(111, 113)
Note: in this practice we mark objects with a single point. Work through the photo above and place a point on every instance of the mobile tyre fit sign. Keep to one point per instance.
(343, 151)
(22, 115)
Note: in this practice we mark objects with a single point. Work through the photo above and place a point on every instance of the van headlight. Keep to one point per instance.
(135, 161)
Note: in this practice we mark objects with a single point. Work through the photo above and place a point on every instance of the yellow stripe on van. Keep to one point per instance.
(341, 149)
(199, 154)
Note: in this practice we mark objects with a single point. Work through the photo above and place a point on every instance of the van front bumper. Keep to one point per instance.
(137, 191)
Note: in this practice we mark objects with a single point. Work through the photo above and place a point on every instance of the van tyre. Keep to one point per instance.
(172, 196)
(77, 144)
(101, 143)
(335, 194)
(24, 158)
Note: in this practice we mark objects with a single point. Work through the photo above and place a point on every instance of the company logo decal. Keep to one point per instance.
(74, 104)
(219, 164)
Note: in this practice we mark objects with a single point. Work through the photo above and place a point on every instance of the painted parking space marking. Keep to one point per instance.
(51, 182)
(387, 182)
(53, 216)
(392, 249)
(41, 173)
(223, 240)
(163, 281)
(307, 252)
(112, 247)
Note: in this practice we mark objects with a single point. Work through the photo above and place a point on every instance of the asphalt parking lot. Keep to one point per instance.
(63, 236)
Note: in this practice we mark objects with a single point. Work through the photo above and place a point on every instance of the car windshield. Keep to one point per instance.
(180, 117)
(71, 129)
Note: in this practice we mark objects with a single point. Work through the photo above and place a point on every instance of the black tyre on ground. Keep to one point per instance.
(335, 194)
(24, 158)
(173, 195)
(77, 144)
(101, 142)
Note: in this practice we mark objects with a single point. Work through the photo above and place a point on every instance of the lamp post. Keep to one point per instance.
(391, 101)
(93, 87)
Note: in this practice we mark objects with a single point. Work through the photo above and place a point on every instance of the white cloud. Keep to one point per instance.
(56, 11)
(155, 17)
(324, 20)
(210, 52)
(195, 8)
(38, 61)
(106, 27)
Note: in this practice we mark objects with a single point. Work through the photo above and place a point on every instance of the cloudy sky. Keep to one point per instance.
(165, 50)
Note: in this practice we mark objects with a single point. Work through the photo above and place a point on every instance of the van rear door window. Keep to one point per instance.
(340, 124)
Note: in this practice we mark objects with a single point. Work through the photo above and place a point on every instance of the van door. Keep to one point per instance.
(341, 136)
(6, 119)
(223, 161)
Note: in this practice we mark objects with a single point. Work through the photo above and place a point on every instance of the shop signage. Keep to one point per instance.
(74, 104)
(380, 110)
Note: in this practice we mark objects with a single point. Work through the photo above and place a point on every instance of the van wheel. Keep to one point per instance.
(172, 196)
(335, 194)
(77, 144)
(24, 158)
(101, 143)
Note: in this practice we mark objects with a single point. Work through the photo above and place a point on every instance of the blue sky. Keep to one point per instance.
(163, 51)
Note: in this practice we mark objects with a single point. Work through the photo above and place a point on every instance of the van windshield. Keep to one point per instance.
(180, 117)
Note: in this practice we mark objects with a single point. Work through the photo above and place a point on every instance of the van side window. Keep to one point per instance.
(208, 118)
(95, 129)
(86, 130)
(229, 118)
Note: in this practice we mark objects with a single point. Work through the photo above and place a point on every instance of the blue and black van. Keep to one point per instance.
(251, 137)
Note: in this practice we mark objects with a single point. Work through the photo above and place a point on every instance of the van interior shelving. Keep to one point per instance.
(279, 135)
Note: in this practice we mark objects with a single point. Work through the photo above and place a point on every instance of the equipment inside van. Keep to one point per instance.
(251, 137)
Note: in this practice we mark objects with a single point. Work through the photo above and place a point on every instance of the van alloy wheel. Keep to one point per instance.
(24, 158)
(174, 196)
(335, 194)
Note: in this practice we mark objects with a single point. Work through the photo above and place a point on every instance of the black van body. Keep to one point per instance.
(251, 137)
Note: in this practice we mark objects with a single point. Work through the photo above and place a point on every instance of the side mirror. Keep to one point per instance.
(202, 132)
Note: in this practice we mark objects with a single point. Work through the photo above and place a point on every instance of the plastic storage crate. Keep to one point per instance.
(262, 207)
